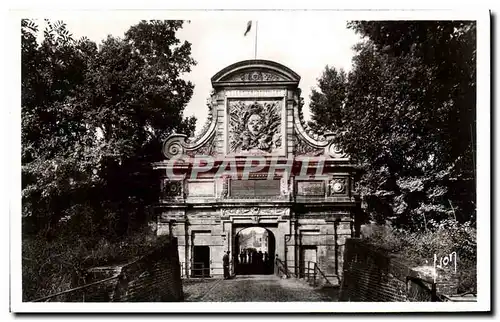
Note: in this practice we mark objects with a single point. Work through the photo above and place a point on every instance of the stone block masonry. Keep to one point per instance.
(372, 276)
(153, 278)
(257, 165)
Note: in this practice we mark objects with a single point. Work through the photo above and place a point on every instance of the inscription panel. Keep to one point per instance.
(267, 187)
(254, 188)
(201, 188)
(256, 93)
(311, 188)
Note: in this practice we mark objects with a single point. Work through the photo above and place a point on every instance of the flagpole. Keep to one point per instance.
(256, 29)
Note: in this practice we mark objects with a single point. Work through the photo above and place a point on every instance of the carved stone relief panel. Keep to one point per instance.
(338, 186)
(303, 148)
(256, 76)
(255, 127)
(207, 149)
(225, 187)
(171, 189)
(285, 188)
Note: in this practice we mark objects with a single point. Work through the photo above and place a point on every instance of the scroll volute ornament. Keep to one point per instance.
(174, 146)
(335, 151)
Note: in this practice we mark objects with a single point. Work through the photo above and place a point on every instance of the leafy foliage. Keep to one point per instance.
(326, 104)
(408, 119)
(418, 248)
(49, 268)
(93, 118)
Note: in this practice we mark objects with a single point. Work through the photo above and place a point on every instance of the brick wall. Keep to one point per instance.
(372, 276)
(155, 277)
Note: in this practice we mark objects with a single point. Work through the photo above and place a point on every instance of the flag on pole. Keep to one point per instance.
(249, 26)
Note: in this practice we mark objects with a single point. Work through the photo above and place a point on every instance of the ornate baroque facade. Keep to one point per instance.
(255, 113)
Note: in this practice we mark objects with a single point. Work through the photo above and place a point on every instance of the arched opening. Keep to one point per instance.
(254, 253)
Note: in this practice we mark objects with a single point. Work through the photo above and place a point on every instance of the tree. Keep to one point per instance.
(409, 119)
(326, 104)
(93, 118)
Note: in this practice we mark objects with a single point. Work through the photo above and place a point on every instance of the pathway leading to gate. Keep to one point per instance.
(255, 288)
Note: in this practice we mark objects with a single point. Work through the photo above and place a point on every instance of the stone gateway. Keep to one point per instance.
(256, 163)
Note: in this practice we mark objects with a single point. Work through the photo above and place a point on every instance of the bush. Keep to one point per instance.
(51, 266)
(418, 248)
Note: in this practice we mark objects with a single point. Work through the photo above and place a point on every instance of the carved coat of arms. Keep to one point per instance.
(254, 127)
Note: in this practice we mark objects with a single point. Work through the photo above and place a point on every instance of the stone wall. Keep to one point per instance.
(324, 232)
(155, 277)
(325, 235)
(372, 276)
(197, 228)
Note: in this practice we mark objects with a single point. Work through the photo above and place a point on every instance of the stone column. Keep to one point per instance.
(228, 243)
(291, 99)
(179, 229)
(220, 139)
(283, 230)
(296, 247)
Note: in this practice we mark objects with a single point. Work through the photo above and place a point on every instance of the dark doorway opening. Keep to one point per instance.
(201, 261)
(254, 251)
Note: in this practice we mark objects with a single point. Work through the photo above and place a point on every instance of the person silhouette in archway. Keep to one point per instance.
(225, 264)
(242, 256)
(266, 263)
(260, 261)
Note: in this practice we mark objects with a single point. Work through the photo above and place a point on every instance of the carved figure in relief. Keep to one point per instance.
(256, 127)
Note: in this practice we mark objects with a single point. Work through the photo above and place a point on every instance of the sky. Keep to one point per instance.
(306, 43)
